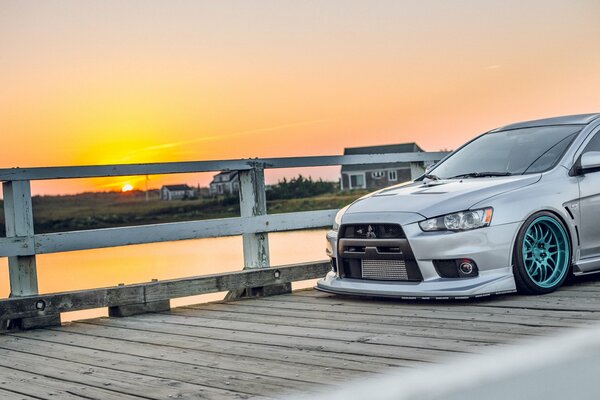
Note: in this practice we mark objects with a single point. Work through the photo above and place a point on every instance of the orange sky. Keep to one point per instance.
(98, 82)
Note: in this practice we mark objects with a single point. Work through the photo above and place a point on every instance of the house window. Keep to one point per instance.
(392, 175)
(378, 174)
(357, 181)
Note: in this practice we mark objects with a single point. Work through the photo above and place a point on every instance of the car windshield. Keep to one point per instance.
(511, 152)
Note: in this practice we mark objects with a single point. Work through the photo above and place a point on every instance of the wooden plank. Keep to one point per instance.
(416, 351)
(133, 384)
(214, 377)
(17, 246)
(370, 324)
(26, 385)
(533, 370)
(18, 214)
(385, 338)
(155, 291)
(173, 231)
(528, 305)
(286, 373)
(214, 347)
(403, 321)
(97, 171)
(424, 313)
(93, 171)
(14, 395)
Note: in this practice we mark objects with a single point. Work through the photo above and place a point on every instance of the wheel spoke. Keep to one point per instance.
(545, 235)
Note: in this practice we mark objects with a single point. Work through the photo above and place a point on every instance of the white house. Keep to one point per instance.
(377, 176)
(226, 182)
(176, 192)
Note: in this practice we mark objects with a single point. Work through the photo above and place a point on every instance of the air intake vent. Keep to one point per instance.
(392, 270)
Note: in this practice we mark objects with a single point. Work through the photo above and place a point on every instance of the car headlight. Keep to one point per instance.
(460, 221)
(338, 218)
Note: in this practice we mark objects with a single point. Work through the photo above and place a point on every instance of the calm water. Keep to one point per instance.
(142, 263)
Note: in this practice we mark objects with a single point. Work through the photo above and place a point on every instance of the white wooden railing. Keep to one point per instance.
(21, 243)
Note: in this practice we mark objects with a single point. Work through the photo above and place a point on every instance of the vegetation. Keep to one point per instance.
(300, 187)
(113, 209)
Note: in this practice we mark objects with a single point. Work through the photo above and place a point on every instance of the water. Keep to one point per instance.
(141, 263)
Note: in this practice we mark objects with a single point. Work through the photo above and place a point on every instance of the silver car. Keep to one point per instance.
(515, 209)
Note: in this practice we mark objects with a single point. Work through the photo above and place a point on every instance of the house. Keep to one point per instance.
(377, 176)
(226, 182)
(177, 192)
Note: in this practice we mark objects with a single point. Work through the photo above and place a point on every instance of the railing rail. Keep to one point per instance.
(98, 171)
(21, 244)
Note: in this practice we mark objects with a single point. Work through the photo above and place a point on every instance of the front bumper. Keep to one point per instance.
(489, 247)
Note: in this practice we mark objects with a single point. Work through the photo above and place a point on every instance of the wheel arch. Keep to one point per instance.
(572, 234)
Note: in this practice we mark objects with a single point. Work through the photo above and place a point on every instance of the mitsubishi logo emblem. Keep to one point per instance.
(370, 233)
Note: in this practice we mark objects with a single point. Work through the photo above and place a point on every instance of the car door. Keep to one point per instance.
(589, 205)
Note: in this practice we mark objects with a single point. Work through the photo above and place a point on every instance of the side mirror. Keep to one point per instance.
(590, 161)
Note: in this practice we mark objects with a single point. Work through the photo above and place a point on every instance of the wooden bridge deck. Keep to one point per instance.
(271, 346)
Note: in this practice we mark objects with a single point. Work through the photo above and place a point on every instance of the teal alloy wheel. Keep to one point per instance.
(543, 254)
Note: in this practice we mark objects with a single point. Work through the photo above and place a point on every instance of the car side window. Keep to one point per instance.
(593, 144)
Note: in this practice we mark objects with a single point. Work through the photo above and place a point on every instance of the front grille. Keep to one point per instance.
(376, 252)
(387, 270)
(373, 231)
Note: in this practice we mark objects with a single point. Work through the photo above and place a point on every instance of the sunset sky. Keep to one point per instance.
(96, 82)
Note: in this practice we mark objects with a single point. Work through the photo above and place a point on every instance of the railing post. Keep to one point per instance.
(18, 215)
(253, 202)
(22, 270)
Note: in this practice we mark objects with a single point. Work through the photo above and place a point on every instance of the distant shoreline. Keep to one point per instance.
(94, 210)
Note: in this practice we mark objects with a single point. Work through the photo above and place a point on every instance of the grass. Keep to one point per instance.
(114, 209)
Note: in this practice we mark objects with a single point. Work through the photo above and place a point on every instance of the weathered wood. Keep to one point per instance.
(266, 346)
(421, 326)
(16, 395)
(332, 332)
(107, 378)
(17, 246)
(128, 310)
(253, 202)
(97, 171)
(213, 348)
(42, 321)
(295, 339)
(176, 370)
(281, 368)
(43, 305)
(24, 384)
(18, 214)
(542, 319)
(498, 304)
(111, 237)
(338, 322)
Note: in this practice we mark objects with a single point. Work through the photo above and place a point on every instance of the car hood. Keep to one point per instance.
(434, 198)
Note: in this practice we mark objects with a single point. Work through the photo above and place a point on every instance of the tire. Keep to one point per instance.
(542, 255)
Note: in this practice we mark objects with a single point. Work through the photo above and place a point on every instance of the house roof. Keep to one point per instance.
(382, 149)
(173, 188)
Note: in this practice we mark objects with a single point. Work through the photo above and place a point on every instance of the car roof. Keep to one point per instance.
(580, 119)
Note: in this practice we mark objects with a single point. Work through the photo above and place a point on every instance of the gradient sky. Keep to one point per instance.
(94, 82)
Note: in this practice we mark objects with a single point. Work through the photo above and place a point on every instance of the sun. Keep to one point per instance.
(127, 188)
